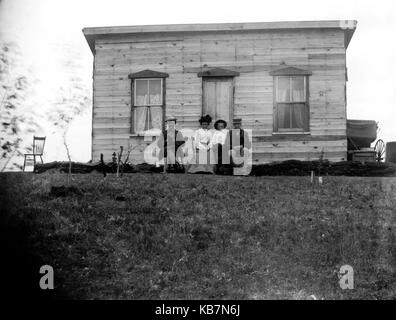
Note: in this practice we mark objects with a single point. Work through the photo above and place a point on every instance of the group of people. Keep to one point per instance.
(216, 150)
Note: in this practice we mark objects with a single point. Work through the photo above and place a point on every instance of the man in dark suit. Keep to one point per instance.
(238, 140)
(170, 140)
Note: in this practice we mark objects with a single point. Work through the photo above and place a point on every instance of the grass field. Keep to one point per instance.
(156, 236)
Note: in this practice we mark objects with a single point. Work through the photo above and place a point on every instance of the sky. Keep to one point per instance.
(47, 30)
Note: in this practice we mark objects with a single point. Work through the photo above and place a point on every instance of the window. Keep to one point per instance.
(291, 104)
(148, 92)
(148, 104)
(148, 101)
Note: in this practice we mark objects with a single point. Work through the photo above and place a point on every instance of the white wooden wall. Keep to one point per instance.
(254, 55)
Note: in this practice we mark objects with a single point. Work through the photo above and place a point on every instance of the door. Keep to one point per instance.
(218, 98)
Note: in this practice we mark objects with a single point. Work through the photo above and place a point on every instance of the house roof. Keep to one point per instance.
(93, 33)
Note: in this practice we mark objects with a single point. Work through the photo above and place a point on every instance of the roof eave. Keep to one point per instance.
(348, 37)
(92, 33)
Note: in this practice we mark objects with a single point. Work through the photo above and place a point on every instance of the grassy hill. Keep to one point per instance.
(156, 236)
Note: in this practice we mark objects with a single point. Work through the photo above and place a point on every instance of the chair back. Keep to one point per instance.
(38, 145)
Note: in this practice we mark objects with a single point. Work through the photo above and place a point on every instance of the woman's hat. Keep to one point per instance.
(207, 118)
(220, 121)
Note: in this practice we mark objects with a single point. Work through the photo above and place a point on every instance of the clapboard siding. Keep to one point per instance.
(254, 54)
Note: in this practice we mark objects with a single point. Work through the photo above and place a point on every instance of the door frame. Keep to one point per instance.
(220, 78)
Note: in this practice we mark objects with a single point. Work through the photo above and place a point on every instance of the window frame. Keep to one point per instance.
(147, 75)
(305, 101)
(148, 90)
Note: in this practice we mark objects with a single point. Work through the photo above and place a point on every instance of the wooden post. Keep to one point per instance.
(119, 160)
(165, 164)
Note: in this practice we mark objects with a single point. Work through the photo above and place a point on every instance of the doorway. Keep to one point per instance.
(218, 98)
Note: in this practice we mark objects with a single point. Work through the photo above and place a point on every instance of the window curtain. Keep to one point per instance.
(283, 89)
(156, 117)
(298, 111)
(148, 118)
(148, 92)
(147, 115)
(142, 97)
(140, 118)
(298, 116)
(297, 84)
(291, 115)
(298, 95)
(155, 92)
(283, 115)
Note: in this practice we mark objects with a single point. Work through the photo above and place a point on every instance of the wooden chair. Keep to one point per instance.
(38, 149)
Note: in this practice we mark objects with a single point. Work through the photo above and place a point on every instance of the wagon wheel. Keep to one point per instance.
(379, 149)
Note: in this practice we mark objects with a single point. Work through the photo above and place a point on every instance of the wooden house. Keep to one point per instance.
(285, 80)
